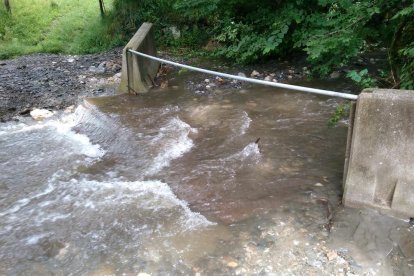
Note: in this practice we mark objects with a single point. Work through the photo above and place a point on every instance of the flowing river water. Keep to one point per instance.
(169, 183)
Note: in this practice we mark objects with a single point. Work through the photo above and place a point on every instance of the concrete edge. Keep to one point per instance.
(398, 121)
(138, 73)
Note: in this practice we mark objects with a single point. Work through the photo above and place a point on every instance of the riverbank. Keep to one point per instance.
(55, 82)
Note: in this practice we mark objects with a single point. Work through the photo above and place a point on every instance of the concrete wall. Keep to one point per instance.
(380, 169)
(140, 71)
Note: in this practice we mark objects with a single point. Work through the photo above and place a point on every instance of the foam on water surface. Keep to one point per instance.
(89, 213)
(249, 152)
(172, 142)
(55, 130)
(58, 200)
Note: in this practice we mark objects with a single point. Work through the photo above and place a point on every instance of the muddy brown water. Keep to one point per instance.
(169, 183)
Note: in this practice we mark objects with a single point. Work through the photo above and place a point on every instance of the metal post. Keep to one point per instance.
(127, 70)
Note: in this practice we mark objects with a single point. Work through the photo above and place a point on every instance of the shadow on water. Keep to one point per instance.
(239, 182)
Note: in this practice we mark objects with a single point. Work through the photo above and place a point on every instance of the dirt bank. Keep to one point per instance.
(55, 81)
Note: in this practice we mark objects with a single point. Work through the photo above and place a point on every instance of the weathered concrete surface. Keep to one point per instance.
(141, 71)
(380, 172)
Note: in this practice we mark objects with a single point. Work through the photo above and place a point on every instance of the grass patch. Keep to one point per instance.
(54, 26)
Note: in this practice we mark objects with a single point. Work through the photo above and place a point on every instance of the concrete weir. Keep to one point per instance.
(380, 169)
(138, 73)
(379, 162)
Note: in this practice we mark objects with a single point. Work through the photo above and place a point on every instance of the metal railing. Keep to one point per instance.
(251, 80)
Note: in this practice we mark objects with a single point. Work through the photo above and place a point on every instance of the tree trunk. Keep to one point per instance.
(102, 7)
(7, 5)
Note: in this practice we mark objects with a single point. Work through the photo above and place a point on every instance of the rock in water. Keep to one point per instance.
(254, 74)
(331, 255)
(335, 75)
(98, 70)
(40, 114)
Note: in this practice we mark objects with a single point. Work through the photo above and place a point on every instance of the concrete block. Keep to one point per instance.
(139, 70)
(380, 169)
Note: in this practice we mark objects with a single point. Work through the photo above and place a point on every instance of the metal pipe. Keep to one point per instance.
(127, 70)
(268, 83)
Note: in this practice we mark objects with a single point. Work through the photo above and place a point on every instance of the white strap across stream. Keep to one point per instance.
(268, 83)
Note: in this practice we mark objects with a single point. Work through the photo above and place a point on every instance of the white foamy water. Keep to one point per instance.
(62, 200)
(94, 217)
(55, 130)
(171, 142)
(246, 120)
(251, 151)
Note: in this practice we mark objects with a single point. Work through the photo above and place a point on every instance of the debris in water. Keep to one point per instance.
(257, 143)
(164, 84)
(232, 264)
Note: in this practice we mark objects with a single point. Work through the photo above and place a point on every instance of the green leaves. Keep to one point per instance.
(330, 32)
(407, 70)
(276, 38)
(362, 78)
(402, 47)
(404, 12)
(196, 9)
(341, 112)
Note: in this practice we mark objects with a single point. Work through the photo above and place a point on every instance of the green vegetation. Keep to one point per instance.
(331, 33)
(341, 112)
(56, 26)
(362, 78)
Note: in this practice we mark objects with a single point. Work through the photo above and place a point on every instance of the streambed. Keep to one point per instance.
(243, 182)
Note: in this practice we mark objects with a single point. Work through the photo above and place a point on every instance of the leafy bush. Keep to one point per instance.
(362, 78)
(330, 32)
(407, 69)
(402, 48)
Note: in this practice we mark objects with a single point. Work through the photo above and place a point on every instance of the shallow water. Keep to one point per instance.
(170, 183)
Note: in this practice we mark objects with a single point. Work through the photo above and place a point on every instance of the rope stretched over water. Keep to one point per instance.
(251, 80)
